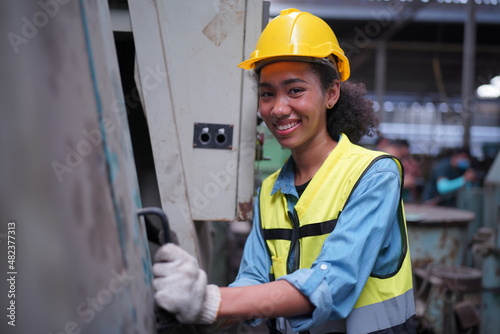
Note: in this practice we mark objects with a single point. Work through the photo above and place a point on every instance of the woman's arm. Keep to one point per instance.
(270, 300)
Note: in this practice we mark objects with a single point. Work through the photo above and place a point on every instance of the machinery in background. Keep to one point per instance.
(457, 275)
(485, 246)
(71, 183)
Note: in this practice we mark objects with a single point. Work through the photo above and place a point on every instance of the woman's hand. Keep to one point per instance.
(181, 287)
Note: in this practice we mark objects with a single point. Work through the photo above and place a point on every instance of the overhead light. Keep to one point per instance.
(495, 81)
(491, 90)
(388, 106)
(443, 107)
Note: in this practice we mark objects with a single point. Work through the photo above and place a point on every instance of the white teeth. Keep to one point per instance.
(287, 126)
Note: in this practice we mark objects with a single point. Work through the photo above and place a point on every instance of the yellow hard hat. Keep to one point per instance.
(295, 33)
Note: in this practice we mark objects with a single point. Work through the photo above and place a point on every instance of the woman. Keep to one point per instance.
(328, 249)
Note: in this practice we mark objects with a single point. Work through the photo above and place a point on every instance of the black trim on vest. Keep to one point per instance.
(292, 261)
(402, 226)
(408, 327)
(310, 230)
(277, 234)
(316, 229)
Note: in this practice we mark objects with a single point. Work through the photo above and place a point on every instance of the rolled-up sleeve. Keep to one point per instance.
(365, 240)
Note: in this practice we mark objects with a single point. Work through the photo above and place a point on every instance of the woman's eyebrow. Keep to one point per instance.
(284, 83)
(291, 81)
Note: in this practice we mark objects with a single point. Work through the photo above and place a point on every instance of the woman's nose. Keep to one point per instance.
(281, 108)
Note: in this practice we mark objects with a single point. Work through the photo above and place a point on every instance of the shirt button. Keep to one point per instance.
(323, 267)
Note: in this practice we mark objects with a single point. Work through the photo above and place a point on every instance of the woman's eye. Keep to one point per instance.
(266, 94)
(296, 90)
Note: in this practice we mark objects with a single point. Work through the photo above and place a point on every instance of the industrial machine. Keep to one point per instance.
(72, 192)
(456, 260)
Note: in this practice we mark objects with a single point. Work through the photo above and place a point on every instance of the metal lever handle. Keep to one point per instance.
(164, 319)
(163, 218)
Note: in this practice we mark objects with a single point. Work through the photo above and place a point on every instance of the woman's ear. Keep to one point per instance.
(333, 94)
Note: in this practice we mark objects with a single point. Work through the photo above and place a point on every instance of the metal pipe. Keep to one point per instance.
(490, 321)
(468, 66)
(380, 77)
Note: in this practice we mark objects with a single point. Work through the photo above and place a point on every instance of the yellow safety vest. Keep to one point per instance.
(385, 302)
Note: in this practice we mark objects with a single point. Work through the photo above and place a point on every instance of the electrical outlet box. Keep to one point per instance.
(215, 136)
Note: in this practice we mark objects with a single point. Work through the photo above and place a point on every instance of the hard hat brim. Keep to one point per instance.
(342, 64)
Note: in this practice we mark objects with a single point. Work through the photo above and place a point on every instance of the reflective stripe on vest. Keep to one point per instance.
(387, 314)
(314, 218)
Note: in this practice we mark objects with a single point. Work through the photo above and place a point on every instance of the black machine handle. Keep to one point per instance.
(153, 231)
(164, 319)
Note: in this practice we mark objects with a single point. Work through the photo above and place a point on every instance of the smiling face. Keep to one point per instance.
(293, 104)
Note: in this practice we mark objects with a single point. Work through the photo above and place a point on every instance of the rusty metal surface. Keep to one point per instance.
(459, 278)
(214, 31)
(82, 259)
(437, 215)
(445, 296)
(157, 102)
(245, 211)
(437, 234)
(438, 245)
(467, 315)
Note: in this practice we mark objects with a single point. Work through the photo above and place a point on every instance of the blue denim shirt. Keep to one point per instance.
(365, 240)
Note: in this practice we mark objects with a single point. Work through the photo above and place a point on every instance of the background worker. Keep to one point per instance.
(413, 180)
(449, 175)
(328, 249)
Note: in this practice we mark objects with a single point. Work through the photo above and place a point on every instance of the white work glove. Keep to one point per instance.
(181, 287)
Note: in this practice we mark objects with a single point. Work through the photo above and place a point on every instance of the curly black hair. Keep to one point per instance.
(353, 113)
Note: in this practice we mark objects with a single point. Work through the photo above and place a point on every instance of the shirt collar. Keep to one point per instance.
(286, 179)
